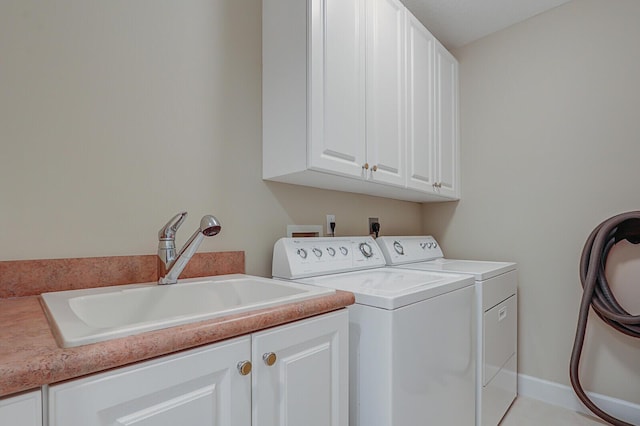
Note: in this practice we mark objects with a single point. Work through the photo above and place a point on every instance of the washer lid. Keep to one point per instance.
(391, 288)
(481, 270)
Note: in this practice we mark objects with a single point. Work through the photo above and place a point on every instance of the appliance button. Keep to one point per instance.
(344, 250)
(317, 252)
(302, 253)
(331, 251)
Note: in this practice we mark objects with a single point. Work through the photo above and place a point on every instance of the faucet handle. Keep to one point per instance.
(168, 232)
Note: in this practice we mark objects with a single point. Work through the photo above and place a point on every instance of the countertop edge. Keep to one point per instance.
(31, 358)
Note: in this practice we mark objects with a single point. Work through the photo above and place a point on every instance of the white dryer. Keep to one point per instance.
(496, 317)
(412, 334)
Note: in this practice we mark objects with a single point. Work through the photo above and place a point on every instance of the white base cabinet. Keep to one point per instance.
(22, 410)
(358, 96)
(300, 376)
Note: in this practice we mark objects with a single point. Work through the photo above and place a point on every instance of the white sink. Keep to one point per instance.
(80, 317)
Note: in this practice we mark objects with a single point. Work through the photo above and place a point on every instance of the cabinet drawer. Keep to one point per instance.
(500, 336)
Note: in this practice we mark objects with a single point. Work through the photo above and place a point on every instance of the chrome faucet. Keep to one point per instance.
(170, 264)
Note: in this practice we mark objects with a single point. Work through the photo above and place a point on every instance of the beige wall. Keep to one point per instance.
(115, 115)
(550, 133)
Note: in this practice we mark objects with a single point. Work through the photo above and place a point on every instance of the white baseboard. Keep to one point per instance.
(564, 396)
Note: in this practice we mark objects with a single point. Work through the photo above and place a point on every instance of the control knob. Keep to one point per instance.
(398, 248)
(366, 250)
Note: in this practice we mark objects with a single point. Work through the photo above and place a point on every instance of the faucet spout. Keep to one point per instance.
(168, 231)
(170, 265)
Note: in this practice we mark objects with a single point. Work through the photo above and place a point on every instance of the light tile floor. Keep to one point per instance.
(530, 412)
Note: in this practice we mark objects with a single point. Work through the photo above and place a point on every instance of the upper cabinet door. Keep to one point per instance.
(336, 114)
(420, 106)
(447, 123)
(386, 92)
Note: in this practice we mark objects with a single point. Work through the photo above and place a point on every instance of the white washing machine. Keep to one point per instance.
(496, 308)
(412, 334)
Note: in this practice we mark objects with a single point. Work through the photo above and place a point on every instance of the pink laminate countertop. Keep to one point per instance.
(30, 357)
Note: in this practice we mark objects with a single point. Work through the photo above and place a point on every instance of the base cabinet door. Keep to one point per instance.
(193, 388)
(22, 410)
(300, 373)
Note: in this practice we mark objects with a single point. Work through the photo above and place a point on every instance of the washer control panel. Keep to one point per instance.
(306, 257)
(399, 250)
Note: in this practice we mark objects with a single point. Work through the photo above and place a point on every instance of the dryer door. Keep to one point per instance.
(499, 375)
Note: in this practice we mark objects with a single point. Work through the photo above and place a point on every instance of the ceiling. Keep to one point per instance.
(459, 22)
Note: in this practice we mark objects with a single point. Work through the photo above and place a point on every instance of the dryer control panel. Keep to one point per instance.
(399, 250)
(306, 257)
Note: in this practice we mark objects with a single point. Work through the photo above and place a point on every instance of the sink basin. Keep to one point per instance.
(80, 317)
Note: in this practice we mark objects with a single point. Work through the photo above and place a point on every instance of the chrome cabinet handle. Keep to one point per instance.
(244, 367)
(269, 358)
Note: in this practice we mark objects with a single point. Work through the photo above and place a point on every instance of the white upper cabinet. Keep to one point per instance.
(351, 92)
(420, 106)
(385, 107)
(432, 114)
(446, 138)
(336, 86)
(313, 63)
